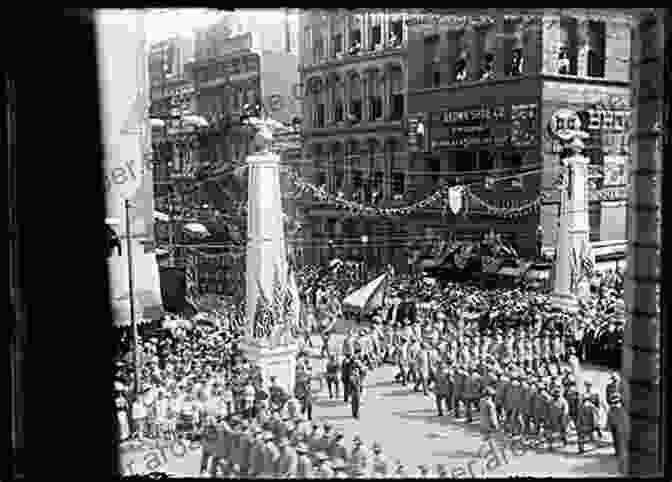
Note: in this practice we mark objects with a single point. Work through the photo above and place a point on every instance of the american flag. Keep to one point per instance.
(292, 300)
(263, 316)
(278, 303)
(587, 261)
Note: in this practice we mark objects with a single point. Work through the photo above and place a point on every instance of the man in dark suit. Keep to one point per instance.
(346, 372)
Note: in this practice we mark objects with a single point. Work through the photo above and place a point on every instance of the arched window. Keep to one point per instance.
(355, 99)
(489, 40)
(397, 93)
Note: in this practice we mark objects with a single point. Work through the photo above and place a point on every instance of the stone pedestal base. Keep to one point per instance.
(274, 361)
(565, 302)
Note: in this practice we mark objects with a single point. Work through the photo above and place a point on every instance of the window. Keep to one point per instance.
(486, 161)
(319, 115)
(307, 44)
(464, 161)
(396, 32)
(489, 42)
(355, 99)
(594, 220)
(596, 48)
(398, 185)
(376, 37)
(432, 72)
(567, 52)
(337, 42)
(397, 92)
(355, 41)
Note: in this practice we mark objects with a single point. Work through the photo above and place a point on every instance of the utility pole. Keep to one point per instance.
(131, 299)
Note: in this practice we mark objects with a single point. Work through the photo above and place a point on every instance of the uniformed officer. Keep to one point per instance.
(458, 391)
(587, 420)
(271, 456)
(442, 390)
(380, 463)
(340, 468)
(245, 444)
(476, 392)
(617, 423)
(324, 470)
(257, 454)
(501, 395)
(360, 458)
(543, 408)
(614, 386)
(288, 461)
(558, 414)
(338, 449)
(523, 417)
(304, 465)
(573, 402)
(356, 391)
(489, 421)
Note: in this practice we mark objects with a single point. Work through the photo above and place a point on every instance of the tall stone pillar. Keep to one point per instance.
(573, 232)
(643, 371)
(266, 260)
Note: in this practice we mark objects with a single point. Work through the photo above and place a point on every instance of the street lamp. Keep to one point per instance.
(365, 241)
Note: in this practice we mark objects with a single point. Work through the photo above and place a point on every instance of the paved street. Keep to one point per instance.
(406, 425)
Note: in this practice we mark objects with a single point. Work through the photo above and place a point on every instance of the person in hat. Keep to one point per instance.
(618, 424)
(488, 411)
(288, 461)
(399, 470)
(332, 375)
(346, 375)
(340, 468)
(614, 386)
(587, 419)
(257, 453)
(360, 458)
(271, 456)
(524, 406)
(304, 464)
(380, 462)
(442, 389)
(337, 449)
(356, 383)
(325, 440)
(558, 418)
(543, 409)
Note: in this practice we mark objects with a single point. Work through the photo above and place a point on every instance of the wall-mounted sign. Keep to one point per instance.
(416, 132)
(564, 123)
(608, 194)
(486, 125)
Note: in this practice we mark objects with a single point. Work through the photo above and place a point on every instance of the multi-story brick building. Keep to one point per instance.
(489, 89)
(353, 75)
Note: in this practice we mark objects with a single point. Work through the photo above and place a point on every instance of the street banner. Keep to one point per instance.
(124, 88)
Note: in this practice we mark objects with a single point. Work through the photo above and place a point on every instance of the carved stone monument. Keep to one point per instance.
(275, 353)
(573, 234)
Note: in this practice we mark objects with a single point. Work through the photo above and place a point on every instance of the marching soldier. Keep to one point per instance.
(356, 394)
(288, 461)
(271, 456)
(380, 463)
(337, 450)
(332, 375)
(501, 395)
(544, 401)
(533, 398)
(573, 402)
(360, 458)
(324, 470)
(346, 375)
(489, 422)
(442, 390)
(304, 465)
(523, 410)
(587, 420)
(558, 415)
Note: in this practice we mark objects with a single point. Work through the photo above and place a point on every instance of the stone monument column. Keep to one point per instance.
(573, 232)
(266, 262)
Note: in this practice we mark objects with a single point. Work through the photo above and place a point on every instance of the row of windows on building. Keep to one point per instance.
(347, 37)
(230, 99)
(223, 68)
(579, 43)
(327, 103)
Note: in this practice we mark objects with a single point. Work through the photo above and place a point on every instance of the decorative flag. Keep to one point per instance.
(292, 300)
(263, 316)
(278, 302)
(587, 259)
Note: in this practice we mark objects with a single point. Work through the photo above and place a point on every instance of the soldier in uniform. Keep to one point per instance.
(546, 349)
(346, 373)
(304, 465)
(489, 421)
(380, 463)
(533, 396)
(338, 449)
(617, 423)
(573, 402)
(313, 439)
(587, 420)
(558, 347)
(501, 395)
(558, 415)
(476, 385)
(442, 390)
(356, 394)
(271, 456)
(245, 444)
(324, 470)
(543, 408)
(360, 458)
(332, 375)
(288, 461)
(614, 386)
(523, 418)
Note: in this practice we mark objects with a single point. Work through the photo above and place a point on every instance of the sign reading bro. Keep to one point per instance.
(126, 172)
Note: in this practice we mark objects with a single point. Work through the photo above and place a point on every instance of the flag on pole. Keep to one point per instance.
(263, 316)
(587, 259)
(292, 300)
(278, 302)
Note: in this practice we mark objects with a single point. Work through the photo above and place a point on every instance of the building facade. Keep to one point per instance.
(494, 91)
(353, 78)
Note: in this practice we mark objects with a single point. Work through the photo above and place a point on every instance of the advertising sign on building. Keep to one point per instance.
(416, 132)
